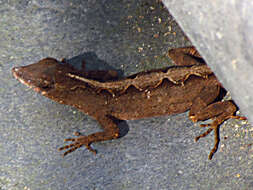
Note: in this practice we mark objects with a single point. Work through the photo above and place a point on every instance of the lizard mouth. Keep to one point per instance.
(16, 71)
(37, 84)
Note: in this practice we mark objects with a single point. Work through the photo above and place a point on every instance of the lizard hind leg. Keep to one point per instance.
(221, 111)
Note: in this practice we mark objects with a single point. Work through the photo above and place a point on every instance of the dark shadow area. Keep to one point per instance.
(122, 125)
(221, 95)
(92, 62)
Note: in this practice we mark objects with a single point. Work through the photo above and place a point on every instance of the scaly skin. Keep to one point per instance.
(198, 95)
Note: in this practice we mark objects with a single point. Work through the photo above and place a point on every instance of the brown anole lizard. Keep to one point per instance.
(64, 84)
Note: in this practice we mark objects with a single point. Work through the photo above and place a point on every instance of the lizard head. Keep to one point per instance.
(42, 76)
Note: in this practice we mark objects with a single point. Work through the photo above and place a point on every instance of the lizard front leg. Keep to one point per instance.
(185, 56)
(111, 131)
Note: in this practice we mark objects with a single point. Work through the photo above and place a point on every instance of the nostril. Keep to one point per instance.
(15, 71)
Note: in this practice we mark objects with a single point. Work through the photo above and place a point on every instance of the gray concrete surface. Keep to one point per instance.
(222, 32)
(157, 153)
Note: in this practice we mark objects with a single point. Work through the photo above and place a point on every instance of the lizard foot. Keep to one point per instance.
(79, 141)
(216, 139)
(215, 126)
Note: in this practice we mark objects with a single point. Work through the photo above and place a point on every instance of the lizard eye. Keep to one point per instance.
(44, 83)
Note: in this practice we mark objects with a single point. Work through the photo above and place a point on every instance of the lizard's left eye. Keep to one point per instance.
(45, 84)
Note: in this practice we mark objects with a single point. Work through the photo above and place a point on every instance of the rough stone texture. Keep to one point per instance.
(157, 153)
(222, 32)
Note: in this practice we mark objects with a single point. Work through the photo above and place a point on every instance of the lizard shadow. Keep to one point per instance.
(92, 62)
(122, 125)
